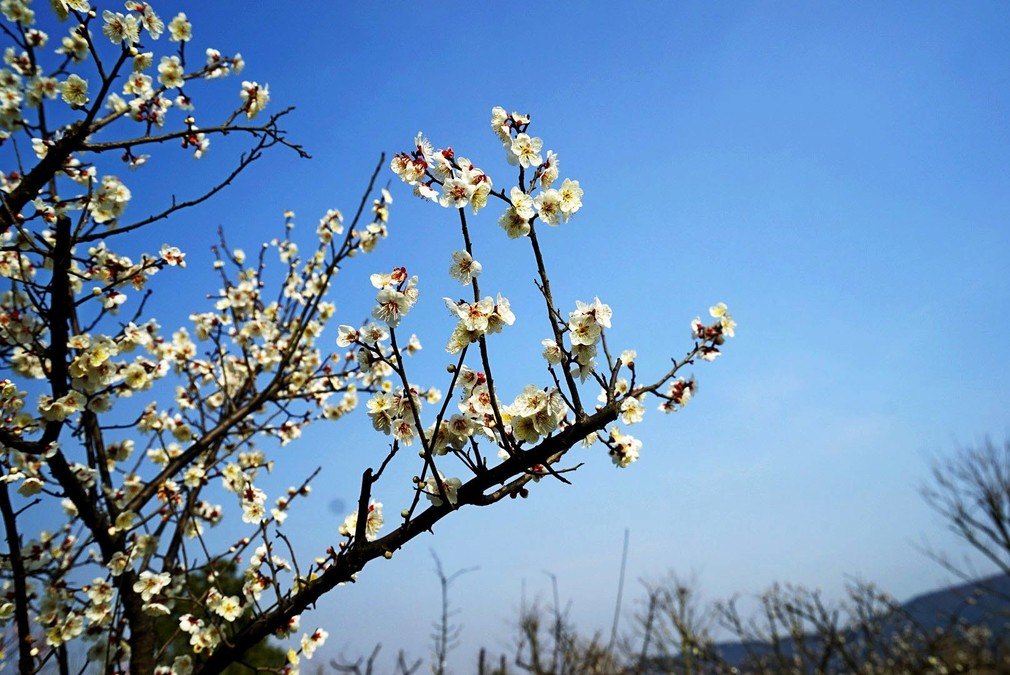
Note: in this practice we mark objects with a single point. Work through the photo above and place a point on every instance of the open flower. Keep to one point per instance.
(119, 28)
(624, 449)
(229, 607)
(522, 203)
(391, 306)
(571, 197)
(526, 151)
(456, 193)
(473, 316)
(548, 205)
(180, 29)
(632, 410)
(449, 485)
(149, 584)
(373, 523)
(464, 268)
(726, 322)
(255, 97)
(75, 90)
(514, 224)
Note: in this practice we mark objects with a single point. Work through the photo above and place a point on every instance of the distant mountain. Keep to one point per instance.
(982, 602)
(985, 602)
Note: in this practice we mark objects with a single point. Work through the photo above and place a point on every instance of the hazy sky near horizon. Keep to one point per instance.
(836, 173)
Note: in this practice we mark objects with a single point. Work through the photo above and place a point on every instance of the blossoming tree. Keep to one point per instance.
(132, 442)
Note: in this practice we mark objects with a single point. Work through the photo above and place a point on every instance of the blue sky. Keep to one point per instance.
(836, 173)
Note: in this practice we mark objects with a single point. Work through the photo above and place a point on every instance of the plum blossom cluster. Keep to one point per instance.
(442, 490)
(574, 351)
(373, 522)
(392, 413)
(624, 449)
(585, 330)
(535, 413)
(425, 168)
(454, 182)
(397, 294)
(476, 319)
(475, 416)
(716, 333)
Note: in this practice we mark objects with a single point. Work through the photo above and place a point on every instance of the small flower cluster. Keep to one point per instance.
(397, 294)
(475, 416)
(716, 333)
(464, 184)
(308, 645)
(477, 319)
(551, 205)
(624, 449)
(392, 413)
(434, 488)
(228, 607)
(535, 413)
(203, 636)
(373, 522)
(585, 329)
(424, 168)
(679, 393)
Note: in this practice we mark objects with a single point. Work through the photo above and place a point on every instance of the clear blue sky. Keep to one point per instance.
(837, 173)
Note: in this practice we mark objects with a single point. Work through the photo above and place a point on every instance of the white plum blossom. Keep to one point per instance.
(310, 643)
(456, 193)
(347, 335)
(548, 204)
(549, 170)
(679, 393)
(624, 449)
(595, 311)
(552, 352)
(514, 224)
(149, 584)
(170, 72)
(119, 28)
(75, 90)
(228, 607)
(464, 268)
(571, 198)
(373, 523)
(254, 98)
(253, 500)
(391, 306)
(632, 410)
(522, 203)
(719, 311)
(449, 485)
(180, 29)
(397, 294)
(500, 124)
(151, 22)
(526, 151)
(473, 316)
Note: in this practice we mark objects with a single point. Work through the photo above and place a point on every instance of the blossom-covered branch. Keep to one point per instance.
(134, 442)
